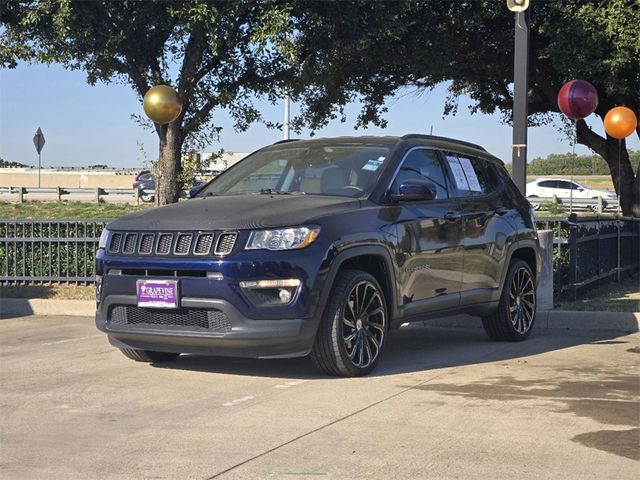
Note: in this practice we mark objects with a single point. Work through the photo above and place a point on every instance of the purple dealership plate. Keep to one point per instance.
(157, 293)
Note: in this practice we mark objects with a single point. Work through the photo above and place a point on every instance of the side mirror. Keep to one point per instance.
(414, 190)
(193, 191)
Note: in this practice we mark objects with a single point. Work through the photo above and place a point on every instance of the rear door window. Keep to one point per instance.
(471, 176)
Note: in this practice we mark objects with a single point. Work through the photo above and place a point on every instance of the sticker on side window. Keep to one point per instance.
(470, 173)
(458, 174)
(373, 165)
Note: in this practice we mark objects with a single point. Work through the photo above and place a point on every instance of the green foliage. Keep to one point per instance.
(565, 163)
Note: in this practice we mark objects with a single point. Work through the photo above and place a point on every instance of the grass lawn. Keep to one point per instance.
(50, 210)
(612, 297)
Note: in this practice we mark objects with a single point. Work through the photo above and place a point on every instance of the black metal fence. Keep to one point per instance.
(592, 250)
(588, 251)
(44, 251)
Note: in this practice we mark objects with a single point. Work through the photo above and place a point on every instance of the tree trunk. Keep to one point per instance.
(169, 166)
(625, 181)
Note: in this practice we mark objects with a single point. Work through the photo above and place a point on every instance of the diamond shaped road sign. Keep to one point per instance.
(38, 140)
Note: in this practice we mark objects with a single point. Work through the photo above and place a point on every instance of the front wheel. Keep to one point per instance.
(353, 328)
(516, 313)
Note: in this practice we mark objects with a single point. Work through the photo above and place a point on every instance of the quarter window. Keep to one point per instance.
(422, 164)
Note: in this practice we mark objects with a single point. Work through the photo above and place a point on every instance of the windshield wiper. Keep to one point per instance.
(269, 191)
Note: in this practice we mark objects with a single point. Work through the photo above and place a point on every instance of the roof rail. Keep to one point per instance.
(287, 140)
(442, 139)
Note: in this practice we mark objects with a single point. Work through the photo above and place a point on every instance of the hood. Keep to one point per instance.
(242, 212)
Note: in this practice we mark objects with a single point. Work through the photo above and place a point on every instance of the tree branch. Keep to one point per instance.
(586, 136)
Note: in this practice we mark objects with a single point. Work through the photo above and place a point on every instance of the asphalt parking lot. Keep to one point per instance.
(444, 403)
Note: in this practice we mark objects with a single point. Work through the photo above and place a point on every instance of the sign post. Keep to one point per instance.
(38, 141)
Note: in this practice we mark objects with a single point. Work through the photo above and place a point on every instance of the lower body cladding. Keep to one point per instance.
(202, 326)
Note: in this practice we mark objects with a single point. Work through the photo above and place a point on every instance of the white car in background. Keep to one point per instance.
(561, 187)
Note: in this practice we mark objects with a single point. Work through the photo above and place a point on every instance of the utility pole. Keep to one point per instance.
(286, 116)
(520, 89)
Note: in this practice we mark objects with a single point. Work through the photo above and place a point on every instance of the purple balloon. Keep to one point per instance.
(577, 99)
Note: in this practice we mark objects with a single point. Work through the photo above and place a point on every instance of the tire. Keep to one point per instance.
(516, 313)
(148, 355)
(147, 198)
(353, 328)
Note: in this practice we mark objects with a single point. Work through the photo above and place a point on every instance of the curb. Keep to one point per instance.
(547, 319)
(559, 319)
(42, 306)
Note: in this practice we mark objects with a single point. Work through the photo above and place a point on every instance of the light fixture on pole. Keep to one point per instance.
(520, 88)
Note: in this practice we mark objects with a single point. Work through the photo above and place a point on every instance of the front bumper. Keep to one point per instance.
(242, 337)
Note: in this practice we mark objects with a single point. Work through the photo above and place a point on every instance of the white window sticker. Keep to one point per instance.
(470, 173)
(458, 174)
(373, 165)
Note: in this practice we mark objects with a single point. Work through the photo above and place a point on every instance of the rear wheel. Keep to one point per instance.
(353, 328)
(514, 318)
(148, 355)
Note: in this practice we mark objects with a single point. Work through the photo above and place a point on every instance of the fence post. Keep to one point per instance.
(545, 279)
(573, 256)
(137, 195)
(600, 206)
(98, 192)
(59, 193)
(20, 194)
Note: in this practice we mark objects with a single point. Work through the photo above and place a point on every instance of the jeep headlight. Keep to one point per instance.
(102, 243)
(282, 238)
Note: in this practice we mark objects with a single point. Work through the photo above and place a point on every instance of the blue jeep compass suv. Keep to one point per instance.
(319, 248)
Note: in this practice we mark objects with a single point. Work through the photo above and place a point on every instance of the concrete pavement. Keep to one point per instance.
(444, 403)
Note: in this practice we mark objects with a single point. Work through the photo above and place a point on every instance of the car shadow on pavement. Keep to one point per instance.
(417, 348)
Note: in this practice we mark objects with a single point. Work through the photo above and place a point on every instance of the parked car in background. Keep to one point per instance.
(145, 182)
(319, 248)
(561, 187)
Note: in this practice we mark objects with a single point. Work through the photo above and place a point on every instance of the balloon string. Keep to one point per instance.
(619, 199)
(573, 161)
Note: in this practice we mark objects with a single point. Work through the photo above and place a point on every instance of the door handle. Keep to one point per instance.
(502, 210)
(452, 216)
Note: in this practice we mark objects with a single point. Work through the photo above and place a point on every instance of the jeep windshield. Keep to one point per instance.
(346, 170)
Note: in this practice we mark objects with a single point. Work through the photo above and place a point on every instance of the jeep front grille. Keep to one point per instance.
(184, 319)
(172, 243)
(225, 244)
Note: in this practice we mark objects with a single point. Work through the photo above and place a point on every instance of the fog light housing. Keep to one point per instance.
(271, 293)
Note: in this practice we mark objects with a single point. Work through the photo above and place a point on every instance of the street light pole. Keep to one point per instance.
(520, 90)
(286, 116)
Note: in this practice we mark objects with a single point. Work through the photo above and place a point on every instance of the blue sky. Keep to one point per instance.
(85, 125)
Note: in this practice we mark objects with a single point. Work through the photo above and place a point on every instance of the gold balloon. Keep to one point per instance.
(162, 104)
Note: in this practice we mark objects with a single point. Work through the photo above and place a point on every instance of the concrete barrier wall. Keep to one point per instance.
(29, 178)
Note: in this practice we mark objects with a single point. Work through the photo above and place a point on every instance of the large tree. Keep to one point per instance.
(370, 50)
(216, 54)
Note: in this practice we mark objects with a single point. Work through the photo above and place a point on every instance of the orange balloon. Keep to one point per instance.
(620, 122)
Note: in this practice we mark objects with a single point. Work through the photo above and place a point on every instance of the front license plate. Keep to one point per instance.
(157, 293)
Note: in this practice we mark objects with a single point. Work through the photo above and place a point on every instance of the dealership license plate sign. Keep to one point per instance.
(157, 293)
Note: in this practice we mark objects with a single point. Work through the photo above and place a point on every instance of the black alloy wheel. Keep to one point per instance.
(352, 332)
(515, 316)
